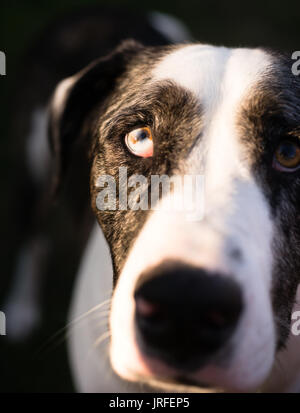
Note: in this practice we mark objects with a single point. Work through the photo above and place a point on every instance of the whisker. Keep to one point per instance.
(103, 337)
(74, 323)
(102, 322)
(68, 333)
(99, 341)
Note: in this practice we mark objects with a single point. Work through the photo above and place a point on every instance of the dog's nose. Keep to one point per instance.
(184, 314)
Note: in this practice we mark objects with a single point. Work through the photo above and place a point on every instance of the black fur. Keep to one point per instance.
(125, 98)
(107, 107)
(269, 116)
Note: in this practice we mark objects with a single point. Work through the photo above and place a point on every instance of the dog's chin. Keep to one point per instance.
(152, 372)
(180, 383)
(176, 383)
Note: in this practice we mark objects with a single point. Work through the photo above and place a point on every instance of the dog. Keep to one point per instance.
(208, 304)
(167, 303)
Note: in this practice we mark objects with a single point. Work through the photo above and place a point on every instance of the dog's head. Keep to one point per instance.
(206, 302)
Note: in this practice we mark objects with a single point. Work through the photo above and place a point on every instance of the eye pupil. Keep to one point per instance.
(139, 142)
(142, 134)
(287, 151)
(287, 156)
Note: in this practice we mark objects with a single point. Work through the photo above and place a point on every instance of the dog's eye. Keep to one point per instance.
(287, 157)
(139, 142)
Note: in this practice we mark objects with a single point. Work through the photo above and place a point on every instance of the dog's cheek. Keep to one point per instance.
(120, 227)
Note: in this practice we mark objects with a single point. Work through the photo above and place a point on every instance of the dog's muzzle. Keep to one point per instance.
(185, 315)
(193, 299)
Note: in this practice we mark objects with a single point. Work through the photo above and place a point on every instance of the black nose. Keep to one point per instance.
(184, 314)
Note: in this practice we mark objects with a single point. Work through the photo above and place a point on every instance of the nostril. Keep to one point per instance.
(151, 318)
(215, 319)
(145, 308)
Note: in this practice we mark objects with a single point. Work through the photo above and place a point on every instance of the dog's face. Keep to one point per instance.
(205, 302)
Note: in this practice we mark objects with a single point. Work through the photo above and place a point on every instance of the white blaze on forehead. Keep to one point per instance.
(198, 68)
(220, 78)
(209, 72)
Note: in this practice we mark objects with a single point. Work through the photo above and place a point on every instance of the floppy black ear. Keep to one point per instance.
(75, 97)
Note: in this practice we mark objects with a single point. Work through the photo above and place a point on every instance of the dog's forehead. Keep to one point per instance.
(211, 72)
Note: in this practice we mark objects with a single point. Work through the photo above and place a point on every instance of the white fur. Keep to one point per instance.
(92, 373)
(236, 215)
(90, 365)
(61, 94)
(207, 245)
(90, 358)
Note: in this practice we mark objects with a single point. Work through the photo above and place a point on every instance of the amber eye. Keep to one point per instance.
(287, 157)
(139, 142)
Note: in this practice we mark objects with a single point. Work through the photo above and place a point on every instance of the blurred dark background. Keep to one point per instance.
(24, 366)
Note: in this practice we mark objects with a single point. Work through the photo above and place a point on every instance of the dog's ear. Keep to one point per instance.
(76, 96)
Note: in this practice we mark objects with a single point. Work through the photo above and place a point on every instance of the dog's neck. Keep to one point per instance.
(88, 353)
